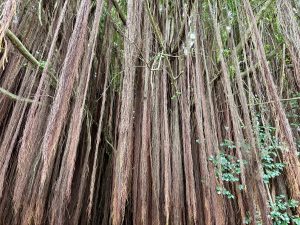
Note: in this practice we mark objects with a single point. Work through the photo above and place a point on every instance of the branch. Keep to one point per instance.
(15, 97)
(251, 69)
(22, 49)
(249, 30)
(25, 52)
(119, 11)
(248, 71)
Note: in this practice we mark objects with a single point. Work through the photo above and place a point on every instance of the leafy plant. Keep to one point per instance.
(269, 146)
(280, 211)
(225, 192)
(228, 169)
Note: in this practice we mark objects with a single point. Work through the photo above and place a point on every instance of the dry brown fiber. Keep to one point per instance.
(128, 102)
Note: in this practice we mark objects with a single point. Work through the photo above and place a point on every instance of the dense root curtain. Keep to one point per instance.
(149, 112)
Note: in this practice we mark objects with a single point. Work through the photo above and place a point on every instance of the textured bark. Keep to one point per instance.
(148, 112)
(290, 154)
(123, 158)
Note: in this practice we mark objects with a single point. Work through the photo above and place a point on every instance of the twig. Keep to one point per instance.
(22, 49)
(159, 36)
(15, 97)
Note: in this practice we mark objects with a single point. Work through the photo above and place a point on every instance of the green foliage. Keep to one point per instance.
(269, 146)
(176, 95)
(43, 64)
(280, 211)
(230, 169)
(116, 81)
(248, 218)
(228, 144)
(232, 71)
(225, 192)
(271, 168)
